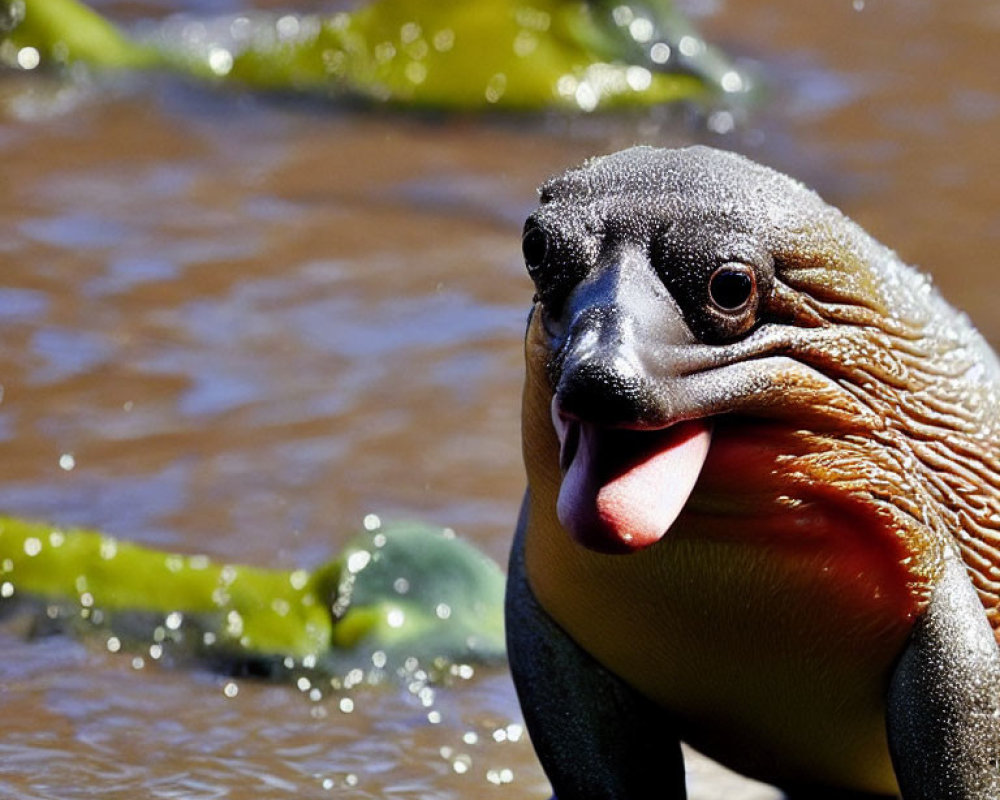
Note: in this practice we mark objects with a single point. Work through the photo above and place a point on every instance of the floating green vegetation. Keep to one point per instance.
(442, 54)
(395, 593)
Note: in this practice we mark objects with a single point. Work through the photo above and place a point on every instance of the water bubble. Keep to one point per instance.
(410, 32)
(732, 81)
(114, 644)
(220, 61)
(6, 589)
(234, 624)
(28, 58)
(721, 122)
(444, 40)
(173, 620)
(659, 53)
(690, 46)
(500, 776)
(353, 678)
(230, 689)
(622, 15)
(495, 88)
(32, 546)
(288, 26)
(358, 560)
(416, 73)
(346, 705)
(371, 522)
(638, 78)
(586, 97)
(67, 462)
(298, 579)
(395, 618)
(641, 29)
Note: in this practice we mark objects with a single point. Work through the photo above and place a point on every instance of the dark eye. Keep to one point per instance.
(732, 287)
(535, 246)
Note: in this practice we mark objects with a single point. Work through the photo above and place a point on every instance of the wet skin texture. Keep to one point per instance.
(763, 505)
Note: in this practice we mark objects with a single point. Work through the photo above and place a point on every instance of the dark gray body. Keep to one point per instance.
(596, 736)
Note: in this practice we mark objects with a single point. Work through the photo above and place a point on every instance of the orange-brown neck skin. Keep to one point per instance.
(767, 619)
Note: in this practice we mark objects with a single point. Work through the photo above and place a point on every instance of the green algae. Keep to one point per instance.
(404, 591)
(432, 54)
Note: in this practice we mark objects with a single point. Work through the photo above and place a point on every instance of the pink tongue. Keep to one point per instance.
(624, 489)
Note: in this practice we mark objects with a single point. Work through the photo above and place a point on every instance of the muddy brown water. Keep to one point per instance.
(251, 323)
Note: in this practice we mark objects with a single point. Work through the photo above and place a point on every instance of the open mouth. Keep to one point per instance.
(623, 489)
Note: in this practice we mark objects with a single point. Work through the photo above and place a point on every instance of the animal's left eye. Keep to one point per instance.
(534, 246)
(732, 287)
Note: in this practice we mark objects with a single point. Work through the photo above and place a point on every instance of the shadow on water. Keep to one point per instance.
(237, 326)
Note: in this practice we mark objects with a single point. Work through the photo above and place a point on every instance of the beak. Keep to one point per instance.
(609, 365)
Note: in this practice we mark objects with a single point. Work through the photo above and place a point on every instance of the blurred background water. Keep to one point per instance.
(236, 325)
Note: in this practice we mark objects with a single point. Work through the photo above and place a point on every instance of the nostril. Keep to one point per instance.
(614, 394)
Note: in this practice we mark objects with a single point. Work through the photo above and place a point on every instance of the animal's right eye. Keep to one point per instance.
(534, 246)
